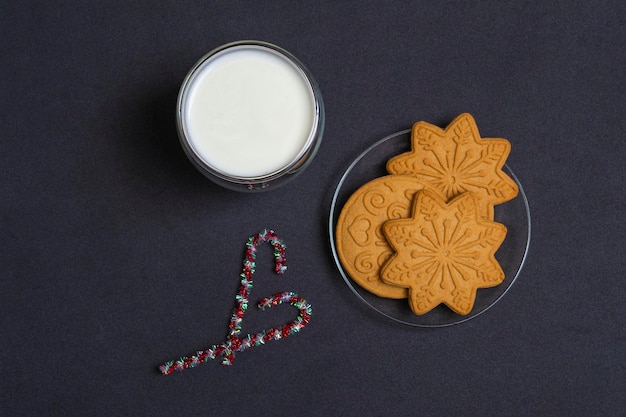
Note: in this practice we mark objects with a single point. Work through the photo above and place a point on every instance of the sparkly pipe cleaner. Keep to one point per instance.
(233, 342)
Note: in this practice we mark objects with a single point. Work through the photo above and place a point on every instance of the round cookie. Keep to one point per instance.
(361, 245)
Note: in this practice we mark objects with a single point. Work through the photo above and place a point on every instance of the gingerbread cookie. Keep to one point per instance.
(361, 246)
(456, 160)
(443, 253)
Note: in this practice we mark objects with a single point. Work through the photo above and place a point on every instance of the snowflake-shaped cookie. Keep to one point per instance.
(443, 253)
(456, 160)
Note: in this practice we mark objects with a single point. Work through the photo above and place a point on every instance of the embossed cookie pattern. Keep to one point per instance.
(361, 245)
(443, 253)
(458, 160)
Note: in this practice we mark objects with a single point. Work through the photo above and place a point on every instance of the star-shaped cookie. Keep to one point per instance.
(443, 253)
(456, 160)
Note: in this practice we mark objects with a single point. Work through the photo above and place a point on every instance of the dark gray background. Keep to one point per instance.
(117, 254)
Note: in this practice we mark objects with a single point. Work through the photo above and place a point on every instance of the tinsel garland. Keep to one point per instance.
(234, 343)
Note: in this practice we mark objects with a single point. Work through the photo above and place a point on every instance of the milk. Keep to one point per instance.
(248, 112)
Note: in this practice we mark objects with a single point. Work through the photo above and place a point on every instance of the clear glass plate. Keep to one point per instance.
(515, 214)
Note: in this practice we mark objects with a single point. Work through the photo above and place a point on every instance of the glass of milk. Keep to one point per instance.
(250, 116)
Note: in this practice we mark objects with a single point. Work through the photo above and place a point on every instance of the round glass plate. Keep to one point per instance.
(515, 214)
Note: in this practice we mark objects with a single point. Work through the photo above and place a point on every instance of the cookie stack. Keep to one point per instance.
(426, 231)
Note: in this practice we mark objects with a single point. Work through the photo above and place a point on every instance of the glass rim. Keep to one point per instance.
(308, 149)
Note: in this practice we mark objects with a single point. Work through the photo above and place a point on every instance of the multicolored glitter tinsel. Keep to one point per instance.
(233, 342)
